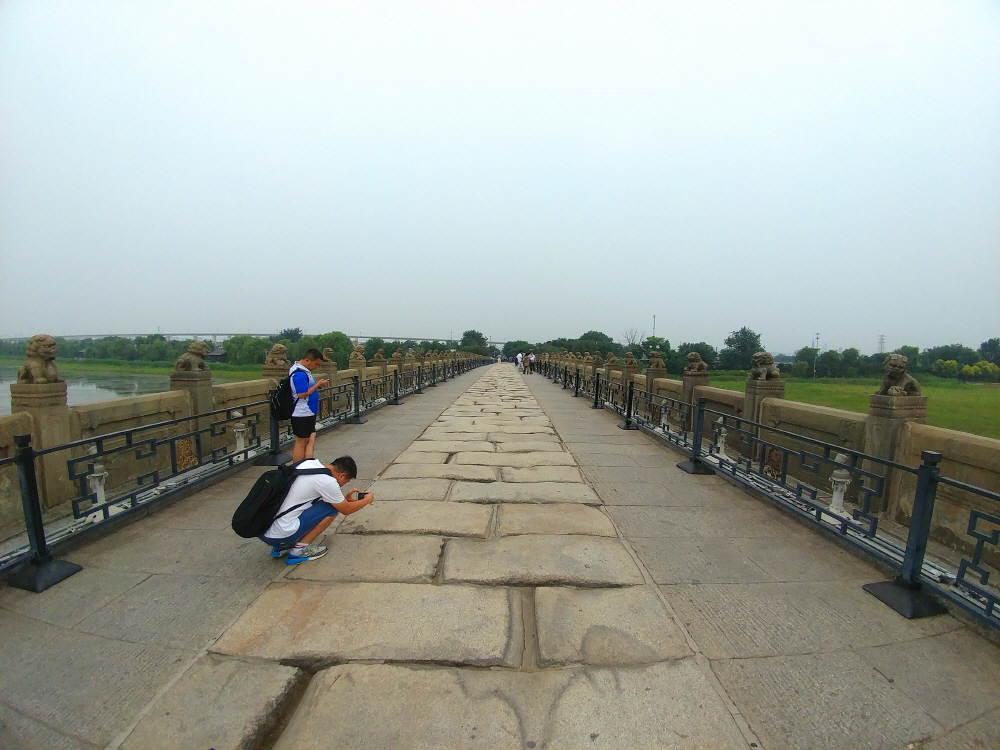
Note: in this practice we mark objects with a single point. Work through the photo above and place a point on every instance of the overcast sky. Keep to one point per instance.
(531, 170)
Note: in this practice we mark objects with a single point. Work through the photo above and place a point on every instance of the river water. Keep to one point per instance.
(93, 386)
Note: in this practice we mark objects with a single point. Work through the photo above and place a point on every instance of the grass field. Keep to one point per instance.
(220, 370)
(968, 407)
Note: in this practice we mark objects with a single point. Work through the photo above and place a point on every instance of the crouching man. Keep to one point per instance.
(309, 508)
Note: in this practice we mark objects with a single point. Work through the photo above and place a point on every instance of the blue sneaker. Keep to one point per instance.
(278, 552)
(302, 554)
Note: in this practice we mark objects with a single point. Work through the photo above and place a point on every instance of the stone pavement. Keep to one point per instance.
(529, 576)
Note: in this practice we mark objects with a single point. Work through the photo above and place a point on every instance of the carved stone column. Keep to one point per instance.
(198, 384)
(886, 417)
(46, 403)
(757, 391)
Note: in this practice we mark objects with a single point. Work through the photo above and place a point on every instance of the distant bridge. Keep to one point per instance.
(215, 337)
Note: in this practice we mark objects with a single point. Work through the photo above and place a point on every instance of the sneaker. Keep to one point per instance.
(278, 551)
(309, 552)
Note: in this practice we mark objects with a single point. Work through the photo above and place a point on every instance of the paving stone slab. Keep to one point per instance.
(667, 705)
(86, 686)
(605, 627)
(983, 732)
(455, 435)
(20, 732)
(533, 437)
(567, 474)
(529, 447)
(772, 619)
(827, 701)
(686, 522)
(556, 518)
(520, 460)
(73, 599)
(679, 560)
(420, 517)
(316, 625)
(523, 492)
(219, 703)
(400, 558)
(450, 446)
(954, 677)
(410, 489)
(540, 560)
(527, 429)
(441, 471)
(421, 457)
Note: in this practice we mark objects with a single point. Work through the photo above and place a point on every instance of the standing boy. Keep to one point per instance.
(304, 390)
(309, 507)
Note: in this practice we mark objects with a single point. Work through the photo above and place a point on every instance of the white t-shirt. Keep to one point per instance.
(519, 355)
(303, 491)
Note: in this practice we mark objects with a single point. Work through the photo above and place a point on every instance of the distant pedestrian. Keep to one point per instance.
(531, 363)
(520, 360)
(305, 390)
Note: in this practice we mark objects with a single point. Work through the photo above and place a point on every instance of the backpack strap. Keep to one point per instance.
(300, 472)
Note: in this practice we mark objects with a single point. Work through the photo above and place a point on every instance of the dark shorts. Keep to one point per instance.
(307, 522)
(303, 427)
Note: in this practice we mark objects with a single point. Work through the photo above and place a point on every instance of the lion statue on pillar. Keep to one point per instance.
(896, 381)
(193, 359)
(39, 363)
(763, 367)
(695, 364)
(276, 356)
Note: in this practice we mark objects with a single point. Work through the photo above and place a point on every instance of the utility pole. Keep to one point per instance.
(816, 359)
(881, 343)
(654, 326)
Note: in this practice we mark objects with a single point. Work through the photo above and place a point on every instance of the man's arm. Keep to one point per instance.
(350, 506)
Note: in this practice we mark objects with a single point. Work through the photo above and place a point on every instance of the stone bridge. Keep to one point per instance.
(529, 576)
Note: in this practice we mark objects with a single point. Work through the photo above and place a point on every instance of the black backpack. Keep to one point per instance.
(282, 400)
(259, 508)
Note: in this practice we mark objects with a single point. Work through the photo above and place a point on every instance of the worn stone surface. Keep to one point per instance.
(312, 624)
(540, 560)
(421, 457)
(605, 627)
(823, 701)
(527, 492)
(520, 460)
(420, 517)
(387, 706)
(981, 733)
(401, 558)
(219, 703)
(561, 518)
(772, 619)
(951, 676)
(682, 560)
(451, 446)
(535, 438)
(526, 447)
(446, 471)
(410, 489)
(564, 474)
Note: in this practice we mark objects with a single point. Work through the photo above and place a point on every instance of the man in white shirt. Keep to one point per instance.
(309, 508)
(519, 358)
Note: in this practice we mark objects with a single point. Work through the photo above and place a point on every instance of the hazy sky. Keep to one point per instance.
(530, 170)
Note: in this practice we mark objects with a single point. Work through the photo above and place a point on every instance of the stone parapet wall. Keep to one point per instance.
(967, 458)
(234, 396)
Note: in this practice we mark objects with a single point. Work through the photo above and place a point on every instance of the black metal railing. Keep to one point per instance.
(794, 471)
(92, 481)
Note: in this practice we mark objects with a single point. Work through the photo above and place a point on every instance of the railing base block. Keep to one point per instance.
(272, 459)
(911, 603)
(395, 403)
(597, 406)
(355, 420)
(37, 578)
(628, 426)
(695, 467)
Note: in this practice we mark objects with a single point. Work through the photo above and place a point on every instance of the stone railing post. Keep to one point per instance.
(46, 403)
(198, 384)
(886, 417)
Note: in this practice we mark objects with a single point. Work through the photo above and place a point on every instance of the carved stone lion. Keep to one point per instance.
(896, 381)
(328, 355)
(39, 362)
(630, 360)
(277, 356)
(193, 358)
(656, 362)
(695, 364)
(763, 367)
(379, 355)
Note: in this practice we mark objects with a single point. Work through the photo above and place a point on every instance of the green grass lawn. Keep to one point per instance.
(967, 407)
(220, 370)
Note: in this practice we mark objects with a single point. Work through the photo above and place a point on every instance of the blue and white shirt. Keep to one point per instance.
(302, 381)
